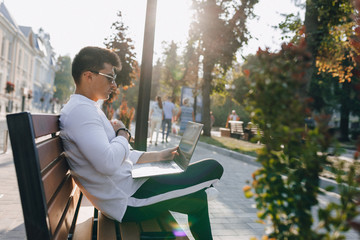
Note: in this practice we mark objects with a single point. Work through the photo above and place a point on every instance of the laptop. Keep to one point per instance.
(180, 162)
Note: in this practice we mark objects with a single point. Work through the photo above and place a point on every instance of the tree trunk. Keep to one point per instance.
(312, 36)
(344, 113)
(206, 88)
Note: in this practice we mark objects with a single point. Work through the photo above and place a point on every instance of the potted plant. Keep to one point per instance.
(29, 95)
(126, 114)
(10, 87)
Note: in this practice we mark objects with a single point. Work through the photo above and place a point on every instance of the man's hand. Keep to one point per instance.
(168, 154)
(116, 124)
(164, 155)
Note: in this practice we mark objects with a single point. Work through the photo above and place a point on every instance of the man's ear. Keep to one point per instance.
(86, 76)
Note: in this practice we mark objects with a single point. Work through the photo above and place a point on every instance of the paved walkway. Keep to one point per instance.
(232, 215)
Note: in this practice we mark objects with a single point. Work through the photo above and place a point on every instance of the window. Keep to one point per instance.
(20, 58)
(26, 62)
(3, 47)
(10, 51)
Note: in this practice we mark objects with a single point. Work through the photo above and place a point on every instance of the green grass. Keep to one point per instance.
(251, 149)
(234, 144)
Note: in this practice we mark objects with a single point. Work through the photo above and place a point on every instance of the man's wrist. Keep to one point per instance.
(125, 130)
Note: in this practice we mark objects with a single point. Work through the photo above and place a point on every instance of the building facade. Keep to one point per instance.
(27, 67)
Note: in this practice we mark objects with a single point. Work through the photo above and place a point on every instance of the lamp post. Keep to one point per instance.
(142, 114)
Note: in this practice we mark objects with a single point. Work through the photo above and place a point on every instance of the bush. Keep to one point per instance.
(221, 107)
(286, 187)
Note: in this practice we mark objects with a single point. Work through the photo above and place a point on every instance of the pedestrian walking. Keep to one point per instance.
(169, 110)
(156, 116)
(185, 114)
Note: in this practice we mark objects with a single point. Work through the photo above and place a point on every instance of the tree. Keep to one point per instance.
(355, 45)
(173, 71)
(328, 29)
(124, 48)
(156, 77)
(64, 82)
(286, 186)
(220, 29)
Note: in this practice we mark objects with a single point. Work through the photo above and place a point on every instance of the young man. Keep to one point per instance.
(101, 161)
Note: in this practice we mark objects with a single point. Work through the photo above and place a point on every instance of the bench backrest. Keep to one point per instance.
(49, 196)
(236, 127)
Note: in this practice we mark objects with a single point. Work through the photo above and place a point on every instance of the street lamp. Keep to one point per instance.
(142, 113)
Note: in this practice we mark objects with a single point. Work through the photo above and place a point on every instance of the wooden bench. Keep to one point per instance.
(53, 206)
(236, 129)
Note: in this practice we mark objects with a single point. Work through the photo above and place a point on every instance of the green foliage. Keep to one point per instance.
(64, 82)
(156, 77)
(221, 107)
(286, 187)
(123, 46)
(329, 27)
(172, 78)
(291, 24)
(242, 82)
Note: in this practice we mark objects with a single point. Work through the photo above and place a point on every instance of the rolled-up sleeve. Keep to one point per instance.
(135, 155)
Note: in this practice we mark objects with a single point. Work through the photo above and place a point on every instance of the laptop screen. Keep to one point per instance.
(188, 143)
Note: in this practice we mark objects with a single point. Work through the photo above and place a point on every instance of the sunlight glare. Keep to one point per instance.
(172, 22)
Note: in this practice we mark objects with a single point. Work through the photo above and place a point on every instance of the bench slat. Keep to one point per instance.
(58, 206)
(48, 151)
(83, 230)
(106, 228)
(84, 222)
(68, 216)
(54, 177)
(129, 230)
(45, 124)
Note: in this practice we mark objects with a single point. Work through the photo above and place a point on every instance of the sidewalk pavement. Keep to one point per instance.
(232, 215)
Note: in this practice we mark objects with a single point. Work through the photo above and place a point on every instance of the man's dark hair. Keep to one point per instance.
(93, 59)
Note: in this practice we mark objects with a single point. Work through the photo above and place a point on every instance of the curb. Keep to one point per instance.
(323, 184)
(230, 153)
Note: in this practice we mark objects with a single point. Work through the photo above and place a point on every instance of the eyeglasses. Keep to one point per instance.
(110, 78)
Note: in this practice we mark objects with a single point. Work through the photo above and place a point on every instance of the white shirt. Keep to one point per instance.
(157, 111)
(100, 162)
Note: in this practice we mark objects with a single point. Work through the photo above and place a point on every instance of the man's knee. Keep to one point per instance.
(218, 169)
(213, 167)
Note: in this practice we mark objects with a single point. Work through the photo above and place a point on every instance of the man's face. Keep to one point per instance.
(102, 86)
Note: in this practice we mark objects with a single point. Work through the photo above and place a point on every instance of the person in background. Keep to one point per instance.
(101, 160)
(232, 117)
(169, 109)
(156, 116)
(185, 114)
(212, 119)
